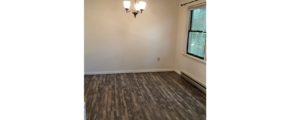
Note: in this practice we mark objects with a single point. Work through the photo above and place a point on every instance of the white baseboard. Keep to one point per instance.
(128, 71)
(177, 71)
(192, 76)
(194, 82)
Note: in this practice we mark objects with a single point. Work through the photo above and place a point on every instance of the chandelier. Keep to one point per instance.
(138, 6)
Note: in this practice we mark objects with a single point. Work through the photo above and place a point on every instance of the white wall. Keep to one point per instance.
(116, 41)
(188, 65)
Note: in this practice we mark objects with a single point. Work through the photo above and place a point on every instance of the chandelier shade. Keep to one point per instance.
(142, 5)
(127, 4)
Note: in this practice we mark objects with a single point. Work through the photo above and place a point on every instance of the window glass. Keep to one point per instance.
(197, 33)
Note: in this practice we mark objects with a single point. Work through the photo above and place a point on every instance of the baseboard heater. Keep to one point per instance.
(193, 82)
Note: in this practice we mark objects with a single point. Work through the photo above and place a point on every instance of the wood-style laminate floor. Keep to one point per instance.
(142, 96)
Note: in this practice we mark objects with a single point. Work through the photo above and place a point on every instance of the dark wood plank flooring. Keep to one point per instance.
(142, 96)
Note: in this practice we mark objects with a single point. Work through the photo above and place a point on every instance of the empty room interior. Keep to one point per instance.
(145, 60)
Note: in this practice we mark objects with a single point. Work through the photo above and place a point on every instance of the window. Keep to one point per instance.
(196, 41)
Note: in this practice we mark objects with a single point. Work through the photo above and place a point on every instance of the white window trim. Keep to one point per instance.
(194, 58)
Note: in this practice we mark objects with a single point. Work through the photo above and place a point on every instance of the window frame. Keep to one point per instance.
(188, 34)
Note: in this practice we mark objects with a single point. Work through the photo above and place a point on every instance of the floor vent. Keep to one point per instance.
(194, 82)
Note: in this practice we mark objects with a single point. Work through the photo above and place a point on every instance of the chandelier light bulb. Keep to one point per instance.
(142, 5)
(127, 4)
(137, 6)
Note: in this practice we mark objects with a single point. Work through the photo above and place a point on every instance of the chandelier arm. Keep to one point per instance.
(128, 10)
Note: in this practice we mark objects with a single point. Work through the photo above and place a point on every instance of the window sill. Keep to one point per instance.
(194, 58)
